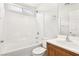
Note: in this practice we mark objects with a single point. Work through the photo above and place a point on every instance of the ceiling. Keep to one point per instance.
(32, 5)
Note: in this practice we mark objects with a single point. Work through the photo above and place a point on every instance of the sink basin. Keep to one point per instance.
(66, 44)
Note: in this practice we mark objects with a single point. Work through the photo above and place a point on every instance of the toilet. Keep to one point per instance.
(40, 51)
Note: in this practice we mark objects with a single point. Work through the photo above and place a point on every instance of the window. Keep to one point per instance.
(28, 11)
(15, 8)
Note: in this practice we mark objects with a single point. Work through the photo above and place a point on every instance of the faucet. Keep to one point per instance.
(67, 37)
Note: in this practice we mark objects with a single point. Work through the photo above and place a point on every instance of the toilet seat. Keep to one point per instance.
(39, 50)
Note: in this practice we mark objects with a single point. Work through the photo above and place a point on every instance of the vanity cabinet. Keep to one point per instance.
(54, 50)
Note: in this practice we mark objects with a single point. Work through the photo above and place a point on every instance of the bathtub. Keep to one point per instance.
(22, 49)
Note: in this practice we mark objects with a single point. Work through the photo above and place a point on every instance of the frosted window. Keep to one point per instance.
(14, 8)
(19, 9)
(28, 11)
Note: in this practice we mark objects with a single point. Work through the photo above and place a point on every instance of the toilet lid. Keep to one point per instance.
(39, 50)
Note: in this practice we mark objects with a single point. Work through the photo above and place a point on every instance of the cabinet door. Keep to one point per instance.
(50, 50)
(56, 51)
(60, 52)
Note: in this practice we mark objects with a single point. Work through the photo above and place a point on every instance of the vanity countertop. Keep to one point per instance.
(61, 42)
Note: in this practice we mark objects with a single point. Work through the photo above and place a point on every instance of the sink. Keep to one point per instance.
(66, 44)
(63, 42)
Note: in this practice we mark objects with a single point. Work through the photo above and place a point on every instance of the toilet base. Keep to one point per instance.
(38, 54)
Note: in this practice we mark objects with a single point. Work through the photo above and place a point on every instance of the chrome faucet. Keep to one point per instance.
(67, 37)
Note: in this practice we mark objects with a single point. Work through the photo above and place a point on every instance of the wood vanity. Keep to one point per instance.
(54, 50)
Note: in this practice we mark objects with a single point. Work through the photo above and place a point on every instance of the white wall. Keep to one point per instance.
(1, 20)
(47, 18)
(48, 23)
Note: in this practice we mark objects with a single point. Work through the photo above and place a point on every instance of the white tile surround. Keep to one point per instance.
(17, 30)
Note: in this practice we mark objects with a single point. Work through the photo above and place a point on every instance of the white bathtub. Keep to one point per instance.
(18, 48)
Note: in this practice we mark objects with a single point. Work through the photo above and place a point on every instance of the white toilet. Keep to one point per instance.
(40, 51)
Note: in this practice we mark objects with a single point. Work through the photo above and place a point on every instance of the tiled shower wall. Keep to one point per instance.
(17, 30)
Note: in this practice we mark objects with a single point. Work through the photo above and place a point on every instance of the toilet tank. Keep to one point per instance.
(44, 42)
